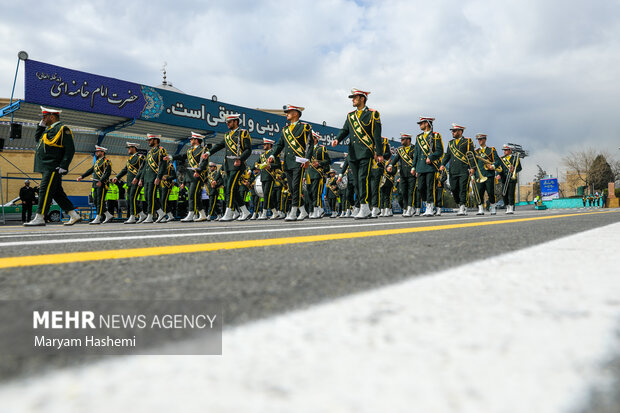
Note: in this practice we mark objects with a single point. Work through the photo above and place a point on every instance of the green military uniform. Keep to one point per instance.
(428, 145)
(296, 141)
(363, 127)
(238, 145)
(193, 163)
(507, 162)
(132, 167)
(403, 159)
(332, 194)
(153, 168)
(459, 167)
(54, 152)
(440, 185)
(376, 173)
(268, 180)
(100, 171)
(488, 154)
(317, 175)
(216, 177)
(386, 190)
(165, 186)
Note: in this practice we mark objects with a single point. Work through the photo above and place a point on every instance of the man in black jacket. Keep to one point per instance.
(28, 198)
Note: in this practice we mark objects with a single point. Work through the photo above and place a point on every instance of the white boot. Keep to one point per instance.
(375, 212)
(263, 215)
(254, 216)
(161, 216)
(383, 213)
(364, 212)
(292, 215)
(302, 213)
(149, 219)
(275, 214)
(245, 214)
(170, 217)
(464, 209)
(389, 212)
(132, 220)
(321, 212)
(37, 221)
(202, 216)
(493, 209)
(281, 215)
(236, 214)
(355, 212)
(141, 217)
(347, 214)
(417, 212)
(438, 211)
(96, 221)
(407, 212)
(428, 212)
(228, 215)
(189, 217)
(480, 210)
(509, 209)
(73, 218)
(461, 210)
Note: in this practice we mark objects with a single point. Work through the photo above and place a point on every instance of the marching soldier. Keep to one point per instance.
(268, 179)
(460, 170)
(386, 191)
(404, 161)
(150, 176)
(100, 171)
(440, 184)
(363, 127)
(319, 164)
(332, 192)
(194, 177)
(376, 175)
(427, 160)
(297, 143)
(510, 171)
(131, 169)
(165, 187)
(238, 146)
(488, 160)
(214, 182)
(52, 157)
(279, 185)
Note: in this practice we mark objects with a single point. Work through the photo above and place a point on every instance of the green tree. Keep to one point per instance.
(541, 174)
(600, 174)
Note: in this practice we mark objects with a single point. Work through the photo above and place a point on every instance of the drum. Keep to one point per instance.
(258, 187)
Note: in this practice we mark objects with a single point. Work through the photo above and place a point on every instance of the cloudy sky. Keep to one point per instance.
(542, 73)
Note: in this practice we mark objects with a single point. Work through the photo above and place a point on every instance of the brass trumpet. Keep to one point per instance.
(471, 158)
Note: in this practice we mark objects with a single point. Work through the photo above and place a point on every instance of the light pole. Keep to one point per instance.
(20, 56)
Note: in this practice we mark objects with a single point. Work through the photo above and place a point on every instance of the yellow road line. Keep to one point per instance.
(72, 257)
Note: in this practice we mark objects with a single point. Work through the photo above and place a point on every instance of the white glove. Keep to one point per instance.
(61, 171)
(42, 123)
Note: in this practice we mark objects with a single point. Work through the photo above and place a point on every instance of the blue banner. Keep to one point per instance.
(549, 189)
(47, 84)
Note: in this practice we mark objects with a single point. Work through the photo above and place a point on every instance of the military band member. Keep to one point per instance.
(427, 160)
(509, 171)
(150, 176)
(167, 182)
(131, 169)
(440, 184)
(376, 175)
(460, 171)
(386, 191)
(100, 171)
(320, 163)
(52, 157)
(488, 160)
(195, 177)
(268, 180)
(215, 181)
(404, 161)
(298, 144)
(332, 192)
(349, 199)
(363, 127)
(238, 146)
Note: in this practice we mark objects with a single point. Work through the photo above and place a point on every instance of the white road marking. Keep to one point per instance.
(231, 231)
(527, 331)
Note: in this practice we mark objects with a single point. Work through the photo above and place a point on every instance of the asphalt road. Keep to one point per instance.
(257, 280)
